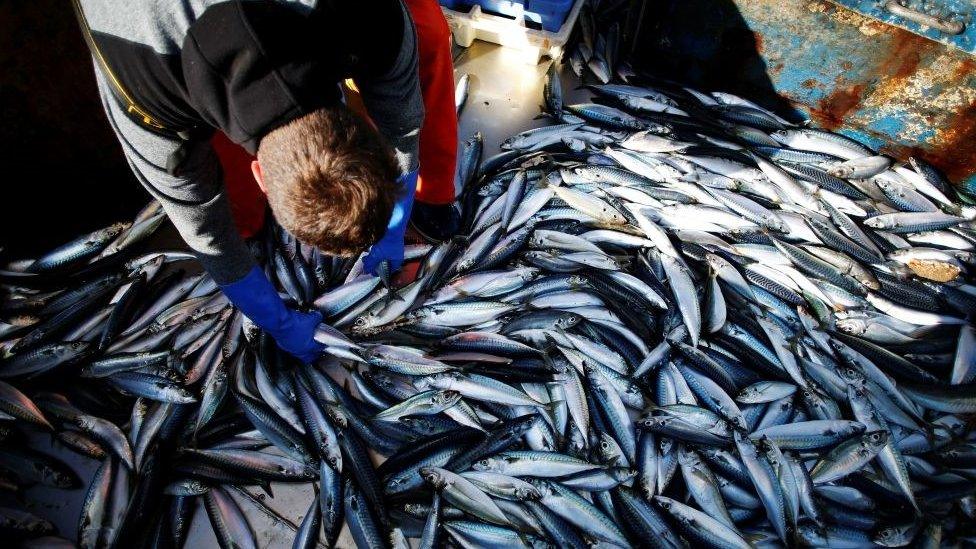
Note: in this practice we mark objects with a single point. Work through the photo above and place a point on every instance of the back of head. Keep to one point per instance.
(331, 180)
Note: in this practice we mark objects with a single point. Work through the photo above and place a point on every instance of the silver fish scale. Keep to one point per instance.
(621, 304)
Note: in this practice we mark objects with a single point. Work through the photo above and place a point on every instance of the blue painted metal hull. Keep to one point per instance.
(901, 92)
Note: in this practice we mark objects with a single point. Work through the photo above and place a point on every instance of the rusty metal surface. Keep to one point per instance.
(898, 91)
(954, 12)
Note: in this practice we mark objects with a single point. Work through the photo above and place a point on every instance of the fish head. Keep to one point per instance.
(811, 396)
(688, 457)
(769, 449)
(372, 354)
(740, 422)
(577, 281)
(84, 422)
(895, 535)
(744, 444)
(364, 322)
(852, 326)
(877, 222)
(748, 394)
(576, 444)
(650, 422)
(186, 487)
(851, 375)
(528, 274)
(542, 487)
(951, 425)
(568, 320)
(812, 535)
(434, 477)
(337, 415)
(527, 493)
(415, 509)
(332, 456)
(418, 315)
(715, 262)
(622, 474)
(949, 453)
(609, 448)
(490, 465)
(841, 171)
(424, 383)
(875, 440)
(886, 184)
(663, 502)
(574, 144)
(443, 381)
(775, 223)
(521, 425)
(446, 398)
(866, 279)
(63, 479)
(115, 229)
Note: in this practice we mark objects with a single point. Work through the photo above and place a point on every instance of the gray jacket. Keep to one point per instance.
(243, 67)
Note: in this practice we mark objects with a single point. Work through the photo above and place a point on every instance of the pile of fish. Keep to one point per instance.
(674, 319)
(597, 47)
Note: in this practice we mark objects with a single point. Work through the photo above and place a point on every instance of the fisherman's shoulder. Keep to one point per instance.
(164, 24)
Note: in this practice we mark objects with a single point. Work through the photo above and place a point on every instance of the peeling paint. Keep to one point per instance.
(893, 88)
(865, 25)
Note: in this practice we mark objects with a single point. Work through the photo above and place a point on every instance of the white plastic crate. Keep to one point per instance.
(512, 33)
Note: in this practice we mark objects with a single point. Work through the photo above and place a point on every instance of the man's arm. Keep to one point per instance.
(184, 177)
(394, 102)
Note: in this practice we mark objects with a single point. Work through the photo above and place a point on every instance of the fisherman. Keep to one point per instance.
(190, 86)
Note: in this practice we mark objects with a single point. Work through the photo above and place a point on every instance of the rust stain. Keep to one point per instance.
(952, 150)
(956, 154)
(809, 83)
(905, 51)
(832, 111)
(966, 67)
(901, 59)
(903, 55)
(760, 45)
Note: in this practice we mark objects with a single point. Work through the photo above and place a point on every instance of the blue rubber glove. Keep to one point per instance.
(258, 300)
(390, 247)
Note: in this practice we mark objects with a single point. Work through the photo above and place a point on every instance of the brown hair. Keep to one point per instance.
(331, 180)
